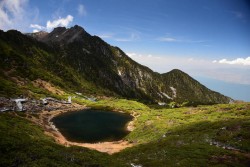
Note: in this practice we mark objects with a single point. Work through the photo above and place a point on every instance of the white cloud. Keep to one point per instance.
(35, 30)
(172, 39)
(121, 37)
(81, 10)
(238, 61)
(12, 13)
(37, 26)
(131, 54)
(105, 36)
(63, 22)
(121, 34)
(167, 39)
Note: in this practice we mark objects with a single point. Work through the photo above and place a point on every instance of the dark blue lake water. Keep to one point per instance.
(92, 125)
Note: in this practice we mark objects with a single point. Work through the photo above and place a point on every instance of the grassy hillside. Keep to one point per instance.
(202, 136)
(24, 144)
(23, 60)
(217, 135)
(74, 61)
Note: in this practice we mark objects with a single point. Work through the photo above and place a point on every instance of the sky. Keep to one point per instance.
(204, 38)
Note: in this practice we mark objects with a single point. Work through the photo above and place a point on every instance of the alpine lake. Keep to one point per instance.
(92, 126)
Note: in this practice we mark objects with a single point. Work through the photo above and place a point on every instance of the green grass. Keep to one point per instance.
(23, 144)
(190, 146)
(189, 136)
(189, 133)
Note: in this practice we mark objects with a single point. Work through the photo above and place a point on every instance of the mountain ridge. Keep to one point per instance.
(88, 64)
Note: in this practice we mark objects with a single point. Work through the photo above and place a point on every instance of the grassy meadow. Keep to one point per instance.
(215, 135)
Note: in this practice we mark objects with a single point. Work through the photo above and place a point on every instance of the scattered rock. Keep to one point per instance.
(32, 105)
(224, 146)
(223, 128)
(133, 165)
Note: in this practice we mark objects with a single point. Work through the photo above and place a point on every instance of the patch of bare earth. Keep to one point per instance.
(47, 86)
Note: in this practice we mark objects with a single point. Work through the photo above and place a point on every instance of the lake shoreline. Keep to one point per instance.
(50, 129)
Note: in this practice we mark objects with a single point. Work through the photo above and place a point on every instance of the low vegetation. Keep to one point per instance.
(216, 135)
(24, 144)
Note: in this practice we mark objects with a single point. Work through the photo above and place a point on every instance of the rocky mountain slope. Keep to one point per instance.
(74, 61)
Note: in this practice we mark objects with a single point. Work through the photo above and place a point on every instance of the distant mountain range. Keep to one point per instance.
(74, 61)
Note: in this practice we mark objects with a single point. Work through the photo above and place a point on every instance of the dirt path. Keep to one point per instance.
(44, 121)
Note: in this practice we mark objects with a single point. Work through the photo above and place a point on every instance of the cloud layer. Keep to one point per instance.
(12, 13)
(172, 39)
(121, 37)
(238, 61)
(63, 22)
(17, 14)
(168, 39)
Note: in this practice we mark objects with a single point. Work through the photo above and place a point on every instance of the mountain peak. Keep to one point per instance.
(176, 71)
(77, 27)
(58, 30)
(64, 35)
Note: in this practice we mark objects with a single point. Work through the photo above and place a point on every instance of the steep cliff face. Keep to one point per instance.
(88, 64)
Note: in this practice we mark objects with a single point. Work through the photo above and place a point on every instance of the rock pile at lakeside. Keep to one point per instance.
(32, 105)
